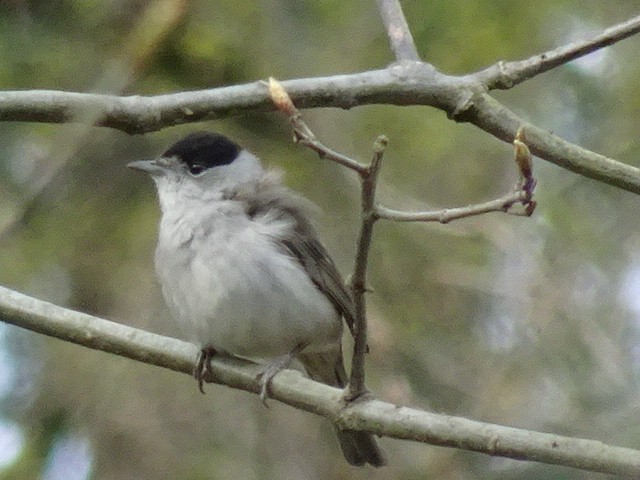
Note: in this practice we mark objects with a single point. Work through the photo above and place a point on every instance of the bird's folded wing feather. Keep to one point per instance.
(323, 272)
(276, 200)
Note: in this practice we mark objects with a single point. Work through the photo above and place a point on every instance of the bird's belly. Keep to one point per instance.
(256, 302)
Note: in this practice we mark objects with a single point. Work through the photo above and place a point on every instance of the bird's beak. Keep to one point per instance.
(148, 166)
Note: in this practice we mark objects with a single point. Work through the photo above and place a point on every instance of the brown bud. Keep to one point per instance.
(523, 156)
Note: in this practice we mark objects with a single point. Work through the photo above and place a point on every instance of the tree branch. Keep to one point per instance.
(446, 215)
(368, 175)
(139, 114)
(414, 84)
(370, 213)
(398, 33)
(522, 194)
(505, 75)
(292, 388)
(357, 386)
(494, 118)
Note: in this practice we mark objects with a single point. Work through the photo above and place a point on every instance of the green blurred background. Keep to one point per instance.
(533, 323)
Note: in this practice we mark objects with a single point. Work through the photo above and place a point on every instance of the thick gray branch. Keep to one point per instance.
(493, 117)
(397, 85)
(407, 84)
(293, 389)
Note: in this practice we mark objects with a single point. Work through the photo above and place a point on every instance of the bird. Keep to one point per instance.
(242, 268)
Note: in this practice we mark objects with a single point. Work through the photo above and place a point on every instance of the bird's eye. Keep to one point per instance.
(196, 169)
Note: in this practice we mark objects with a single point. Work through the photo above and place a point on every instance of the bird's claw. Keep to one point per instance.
(269, 371)
(202, 368)
(265, 385)
(265, 377)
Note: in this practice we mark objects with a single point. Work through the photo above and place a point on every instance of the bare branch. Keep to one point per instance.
(522, 194)
(491, 116)
(368, 174)
(292, 388)
(302, 134)
(357, 385)
(505, 75)
(502, 204)
(398, 33)
(140, 114)
(370, 213)
(414, 84)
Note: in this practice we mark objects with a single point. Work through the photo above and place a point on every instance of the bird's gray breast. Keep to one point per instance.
(228, 279)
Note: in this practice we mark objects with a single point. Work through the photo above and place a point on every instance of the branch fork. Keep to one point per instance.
(371, 212)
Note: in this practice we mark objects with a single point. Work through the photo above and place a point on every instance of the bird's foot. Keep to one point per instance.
(272, 368)
(269, 371)
(202, 368)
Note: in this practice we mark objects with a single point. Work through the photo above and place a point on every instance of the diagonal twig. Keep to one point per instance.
(398, 33)
(302, 134)
(505, 75)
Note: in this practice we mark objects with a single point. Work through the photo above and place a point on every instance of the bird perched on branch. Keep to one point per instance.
(242, 268)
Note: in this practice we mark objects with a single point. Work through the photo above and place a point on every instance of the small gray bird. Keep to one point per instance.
(242, 268)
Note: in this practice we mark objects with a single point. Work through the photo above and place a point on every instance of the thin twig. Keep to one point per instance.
(357, 386)
(368, 174)
(521, 194)
(505, 75)
(293, 389)
(502, 204)
(324, 152)
(398, 32)
(302, 134)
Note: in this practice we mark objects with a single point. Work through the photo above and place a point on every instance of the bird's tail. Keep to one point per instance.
(358, 448)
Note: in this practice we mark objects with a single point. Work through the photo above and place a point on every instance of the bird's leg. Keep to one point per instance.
(272, 368)
(202, 368)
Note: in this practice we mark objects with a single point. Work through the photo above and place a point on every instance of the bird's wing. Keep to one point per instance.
(270, 197)
(358, 448)
(323, 272)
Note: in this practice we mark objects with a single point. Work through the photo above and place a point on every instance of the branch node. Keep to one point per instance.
(302, 134)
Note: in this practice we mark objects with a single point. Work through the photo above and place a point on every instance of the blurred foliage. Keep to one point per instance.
(532, 323)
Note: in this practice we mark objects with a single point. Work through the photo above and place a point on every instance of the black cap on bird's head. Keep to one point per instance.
(203, 150)
(198, 152)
